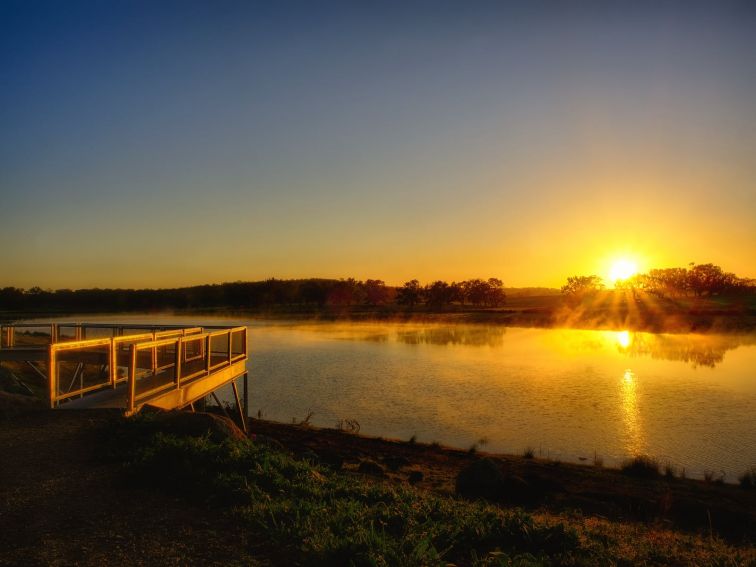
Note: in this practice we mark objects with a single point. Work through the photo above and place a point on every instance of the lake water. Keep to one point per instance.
(689, 400)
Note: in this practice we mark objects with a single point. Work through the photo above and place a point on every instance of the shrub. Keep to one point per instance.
(748, 479)
(641, 466)
(669, 470)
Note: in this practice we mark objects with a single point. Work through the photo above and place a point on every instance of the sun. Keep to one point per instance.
(621, 269)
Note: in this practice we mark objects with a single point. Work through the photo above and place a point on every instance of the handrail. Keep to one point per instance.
(178, 377)
(212, 348)
(72, 345)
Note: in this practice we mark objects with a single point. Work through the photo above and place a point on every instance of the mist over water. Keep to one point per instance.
(687, 399)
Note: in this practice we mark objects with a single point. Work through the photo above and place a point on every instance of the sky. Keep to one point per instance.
(162, 144)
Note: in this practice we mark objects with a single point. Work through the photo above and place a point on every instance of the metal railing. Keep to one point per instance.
(32, 335)
(151, 362)
(181, 359)
(38, 335)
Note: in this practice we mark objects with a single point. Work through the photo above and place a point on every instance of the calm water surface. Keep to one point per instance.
(687, 399)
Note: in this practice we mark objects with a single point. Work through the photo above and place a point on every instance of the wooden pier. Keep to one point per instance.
(89, 365)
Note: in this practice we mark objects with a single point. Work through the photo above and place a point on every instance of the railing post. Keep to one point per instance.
(11, 336)
(132, 378)
(52, 376)
(230, 350)
(154, 354)
(177, 373)
(246, 394)
(208, 354)
(113, 363)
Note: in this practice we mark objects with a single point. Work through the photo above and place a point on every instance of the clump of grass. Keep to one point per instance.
(304, 422)
(477, 445)
(528, 453)
(412, 440)
(641, 466)
(748, 479)
(348, 425)
(669, 470)
(711, 477)
(598, 460)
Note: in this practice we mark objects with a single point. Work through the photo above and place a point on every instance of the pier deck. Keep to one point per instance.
(129, 366)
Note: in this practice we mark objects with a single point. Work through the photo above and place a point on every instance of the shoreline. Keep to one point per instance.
(555, 486)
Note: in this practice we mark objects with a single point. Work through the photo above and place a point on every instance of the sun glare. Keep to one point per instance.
(622, 269)
(623, 338)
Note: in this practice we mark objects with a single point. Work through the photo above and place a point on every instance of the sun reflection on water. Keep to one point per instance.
(623, 338)
(631, 415)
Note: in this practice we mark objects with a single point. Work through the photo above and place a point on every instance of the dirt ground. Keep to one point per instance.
(62, 505)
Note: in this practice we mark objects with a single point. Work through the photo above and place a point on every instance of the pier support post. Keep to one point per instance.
(239, 406)
(246, 395)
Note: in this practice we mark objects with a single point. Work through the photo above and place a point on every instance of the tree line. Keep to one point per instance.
(698, 280)
(312, 292)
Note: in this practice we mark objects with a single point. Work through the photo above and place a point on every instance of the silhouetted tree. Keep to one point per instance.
(376, 292)
(708, 279)
(409, 294)
(315, 291)
(456, 293)
(582, 285)
(437, 293)
(495, 295)
(343, 292)
(476, 291)
(666, 281)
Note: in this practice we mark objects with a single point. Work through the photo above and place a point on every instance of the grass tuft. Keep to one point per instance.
(669, 470)
(348, 426)
(598, 460)
(748, 479)
(641, 466)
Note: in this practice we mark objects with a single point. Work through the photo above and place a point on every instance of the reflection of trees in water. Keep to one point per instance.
(478, 335)
(697, 350)
(376, 338)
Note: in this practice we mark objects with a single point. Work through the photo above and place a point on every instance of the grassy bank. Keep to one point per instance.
(90, 488)
(311, 515)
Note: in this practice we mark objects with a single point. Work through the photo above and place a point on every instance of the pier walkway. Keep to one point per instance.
(125, 366)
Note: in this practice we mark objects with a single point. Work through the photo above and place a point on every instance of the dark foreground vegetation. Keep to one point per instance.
(312, 512)
(92, 488)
